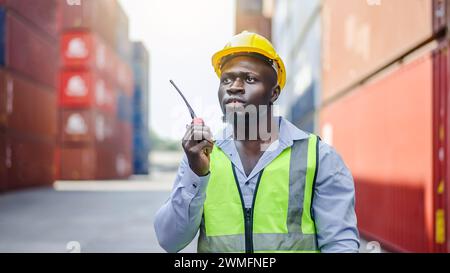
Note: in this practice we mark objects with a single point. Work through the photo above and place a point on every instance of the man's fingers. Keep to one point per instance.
(203, 145)
(200, 135)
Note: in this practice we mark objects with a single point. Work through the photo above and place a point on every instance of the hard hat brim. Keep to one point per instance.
(217, 57)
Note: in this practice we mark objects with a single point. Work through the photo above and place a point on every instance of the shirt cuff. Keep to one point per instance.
(193, 183)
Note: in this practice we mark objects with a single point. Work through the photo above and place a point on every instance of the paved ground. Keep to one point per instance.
(96, 216)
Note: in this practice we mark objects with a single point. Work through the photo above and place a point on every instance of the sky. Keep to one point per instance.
(181, 36)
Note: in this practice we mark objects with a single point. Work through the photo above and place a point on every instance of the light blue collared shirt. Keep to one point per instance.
(178, 220)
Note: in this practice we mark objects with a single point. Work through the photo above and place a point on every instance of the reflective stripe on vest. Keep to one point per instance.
(280, 218)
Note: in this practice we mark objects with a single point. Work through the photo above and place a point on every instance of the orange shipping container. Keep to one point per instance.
(359, 38)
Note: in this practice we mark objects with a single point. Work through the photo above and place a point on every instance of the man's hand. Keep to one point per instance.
(198, 144)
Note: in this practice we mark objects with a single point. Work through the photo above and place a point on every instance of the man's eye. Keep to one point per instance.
(226, 80)
(251, 80)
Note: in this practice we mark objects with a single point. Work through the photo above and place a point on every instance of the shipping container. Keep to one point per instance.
(441, 146)
(387, 132)
(85, 50)
(124, 77)
(27, 107)
(305, 95)
(141, 148)
(303, 110)
(361, 38)
(88, 162)
(78, 163)
(251, 16)
(26, 160)
(85, 88)
(25, 50)
(123, 44)
(141, 138)
(141, 70)
(99, 16)
(85, 126)
(42, 15)
(4, 162)
(124, 107)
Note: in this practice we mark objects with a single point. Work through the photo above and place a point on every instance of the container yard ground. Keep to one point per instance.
(102, 216)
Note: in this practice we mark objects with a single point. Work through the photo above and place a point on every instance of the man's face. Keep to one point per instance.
(247, 80)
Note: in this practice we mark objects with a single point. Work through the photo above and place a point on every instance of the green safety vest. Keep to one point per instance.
(280, 217)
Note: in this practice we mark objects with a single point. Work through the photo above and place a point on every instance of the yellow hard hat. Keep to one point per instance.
(249, 42)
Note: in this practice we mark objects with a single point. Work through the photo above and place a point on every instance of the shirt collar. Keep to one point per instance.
(288, 134)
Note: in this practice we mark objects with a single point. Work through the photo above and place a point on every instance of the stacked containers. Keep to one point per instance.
(297, 37)
(141, 141)
(384, 108)
(94, 93)
(28, 69)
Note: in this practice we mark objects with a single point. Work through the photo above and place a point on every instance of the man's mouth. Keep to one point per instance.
(234, 102)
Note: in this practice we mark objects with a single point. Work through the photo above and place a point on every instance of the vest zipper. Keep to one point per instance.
(248, 212)
(248, 230)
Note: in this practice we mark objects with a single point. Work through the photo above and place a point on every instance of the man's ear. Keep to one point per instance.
(275, 93)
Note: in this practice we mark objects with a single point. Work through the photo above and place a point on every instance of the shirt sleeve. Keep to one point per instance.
(178, 220)
(334, 204)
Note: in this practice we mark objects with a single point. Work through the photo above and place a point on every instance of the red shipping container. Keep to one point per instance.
(85, 50)
(27, 107)
(90, 162)
(28, 52)
(84, 88)
(441, 147)
(78, 163)
(106, 161)
(87, 126)
(42, 15)
(359, 39)
(99, 16)
(28, 161)
(385, 132)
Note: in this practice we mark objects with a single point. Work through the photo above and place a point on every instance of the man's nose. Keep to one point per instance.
(236, 87)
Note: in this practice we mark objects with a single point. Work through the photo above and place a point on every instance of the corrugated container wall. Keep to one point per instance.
(297, 38)
(384, 108)
(141, 140)
(254, 16)
(380, 97)
(393, 180)
(359, 39)
(28, 35)
(96, 90)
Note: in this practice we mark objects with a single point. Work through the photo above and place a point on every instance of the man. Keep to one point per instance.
(284, 191)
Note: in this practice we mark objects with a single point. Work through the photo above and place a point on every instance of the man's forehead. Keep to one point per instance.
(246, 63)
